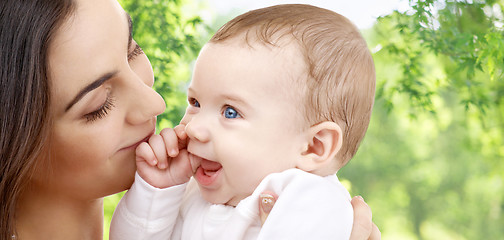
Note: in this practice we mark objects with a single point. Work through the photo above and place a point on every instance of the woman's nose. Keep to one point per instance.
(146, 103)
(197, 128)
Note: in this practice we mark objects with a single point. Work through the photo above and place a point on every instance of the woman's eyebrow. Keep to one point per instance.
(95, 84)
(130, 30)
(101, 80)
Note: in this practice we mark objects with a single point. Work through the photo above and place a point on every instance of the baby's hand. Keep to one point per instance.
(164, 162)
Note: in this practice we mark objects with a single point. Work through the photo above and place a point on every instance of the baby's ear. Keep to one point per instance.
(323, 142)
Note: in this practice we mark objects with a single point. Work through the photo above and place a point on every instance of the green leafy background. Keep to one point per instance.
(431, 165)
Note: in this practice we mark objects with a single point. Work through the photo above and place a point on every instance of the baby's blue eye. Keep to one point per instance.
(194, 102)
(229, 112)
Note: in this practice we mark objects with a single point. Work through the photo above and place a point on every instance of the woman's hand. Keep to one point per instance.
(266, 202)
(363, 226)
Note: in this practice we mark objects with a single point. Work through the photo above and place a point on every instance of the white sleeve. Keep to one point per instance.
(308, 207)
(146, 212)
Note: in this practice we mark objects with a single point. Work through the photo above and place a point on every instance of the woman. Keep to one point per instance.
(76, 100)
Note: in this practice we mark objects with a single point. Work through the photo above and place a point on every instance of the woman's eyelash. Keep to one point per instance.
(137, 51)
(102, 111)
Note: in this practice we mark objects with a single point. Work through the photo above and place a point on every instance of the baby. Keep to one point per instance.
(279, 101)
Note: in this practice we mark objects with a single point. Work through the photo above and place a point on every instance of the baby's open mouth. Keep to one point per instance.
(210, 167)
(207, 172)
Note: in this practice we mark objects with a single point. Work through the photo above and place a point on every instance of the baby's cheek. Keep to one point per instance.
(250, 183)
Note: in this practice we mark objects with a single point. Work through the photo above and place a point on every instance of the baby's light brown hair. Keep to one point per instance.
(340, 81)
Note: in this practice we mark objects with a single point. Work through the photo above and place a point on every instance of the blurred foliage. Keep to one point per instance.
(431, 163)
(466, 38)
(170, 38)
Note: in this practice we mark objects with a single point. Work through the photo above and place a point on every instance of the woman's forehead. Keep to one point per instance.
(91, 42)
(91, 21)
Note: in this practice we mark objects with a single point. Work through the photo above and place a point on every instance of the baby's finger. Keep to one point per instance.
(180, 131)
(170, 141)
(266, 202)
(158, 146)
(194, 161)
(182, 136)
(144, 153)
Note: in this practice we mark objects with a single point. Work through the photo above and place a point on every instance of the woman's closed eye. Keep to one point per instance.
(137, 50)
(102, 111)
(230, 112)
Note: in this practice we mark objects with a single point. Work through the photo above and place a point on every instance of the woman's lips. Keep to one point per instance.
(135, 145)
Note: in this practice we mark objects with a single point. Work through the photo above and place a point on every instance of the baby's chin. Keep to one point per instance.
(233, 201)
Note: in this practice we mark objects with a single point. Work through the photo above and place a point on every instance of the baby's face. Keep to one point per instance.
(244, 117)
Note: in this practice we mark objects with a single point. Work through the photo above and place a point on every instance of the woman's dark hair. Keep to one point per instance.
(26, 28)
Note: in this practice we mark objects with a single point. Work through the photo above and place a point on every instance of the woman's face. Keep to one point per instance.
(102, 103)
